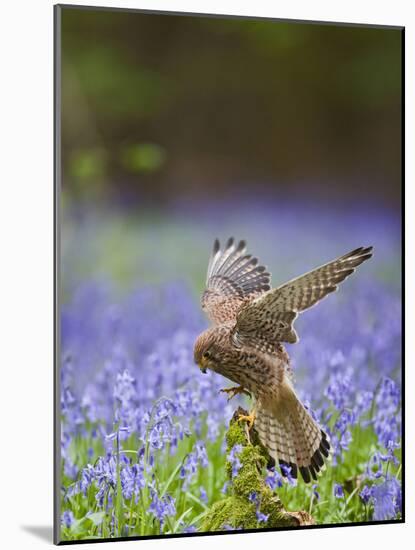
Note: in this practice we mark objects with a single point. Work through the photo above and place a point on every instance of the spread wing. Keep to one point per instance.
(269, 318)
(233, 278)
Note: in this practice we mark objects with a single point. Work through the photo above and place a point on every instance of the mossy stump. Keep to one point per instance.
(237, 511)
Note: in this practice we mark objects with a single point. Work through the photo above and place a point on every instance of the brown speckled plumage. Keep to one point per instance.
(250, 320)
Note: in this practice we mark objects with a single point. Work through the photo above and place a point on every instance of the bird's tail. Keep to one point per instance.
(292, 437)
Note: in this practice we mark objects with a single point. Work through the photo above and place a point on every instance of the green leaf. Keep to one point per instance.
(96, 517)
(195, 499)
(199, 517)
(171, 478)
(181, 518)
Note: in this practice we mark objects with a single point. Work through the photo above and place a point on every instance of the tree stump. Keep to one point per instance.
(239, 510)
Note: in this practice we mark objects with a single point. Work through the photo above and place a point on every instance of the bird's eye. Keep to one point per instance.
(206, 355)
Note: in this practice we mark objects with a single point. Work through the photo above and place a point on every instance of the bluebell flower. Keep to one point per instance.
(364, 401)
(345, 440)
(386, 499)
(234, 460)
(128, 378)
(87, 478)
(70, 469)
(262, 518)
(67, 518)
(273, 479)
(132, 480)
(100, 495)
(391, 447)
(374, 468)
(197, 458)
(366, 494)
(225, 488)
(203, 494)
(163, 507)
(338, 491)
(286, 470)
(201, 454)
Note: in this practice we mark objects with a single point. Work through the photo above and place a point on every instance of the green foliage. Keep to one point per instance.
(289, 506)
(115, 85)
(143, 157)
(87, 164)
(230, 99)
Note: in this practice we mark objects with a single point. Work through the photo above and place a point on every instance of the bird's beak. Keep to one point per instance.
(202, 366)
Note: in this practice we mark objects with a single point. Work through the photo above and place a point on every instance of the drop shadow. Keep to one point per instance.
(43, 532)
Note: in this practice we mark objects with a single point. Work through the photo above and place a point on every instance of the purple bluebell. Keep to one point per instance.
(228, 527)
(233, 459)
(338, 491)
(387, 499)
(67, 518)
(224, 489)
(366, 494)
(203, 494)
(163, 507)
(262, 518)
(127, 371)
(273, 479)
(287, 473)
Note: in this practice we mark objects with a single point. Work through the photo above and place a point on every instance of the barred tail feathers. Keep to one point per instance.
(292, 437)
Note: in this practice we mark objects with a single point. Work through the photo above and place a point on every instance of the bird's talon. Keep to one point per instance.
(234, 391)
(249, 418)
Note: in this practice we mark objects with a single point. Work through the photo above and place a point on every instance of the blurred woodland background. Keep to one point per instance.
(160, 108)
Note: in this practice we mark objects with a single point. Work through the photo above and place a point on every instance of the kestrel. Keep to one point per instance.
(250, 322)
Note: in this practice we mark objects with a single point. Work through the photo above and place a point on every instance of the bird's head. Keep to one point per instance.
(205, 352)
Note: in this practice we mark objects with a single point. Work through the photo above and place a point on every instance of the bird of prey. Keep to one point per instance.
(250, 322)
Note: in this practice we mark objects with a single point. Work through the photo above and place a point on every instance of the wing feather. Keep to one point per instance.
(233, 278)
(269, 318)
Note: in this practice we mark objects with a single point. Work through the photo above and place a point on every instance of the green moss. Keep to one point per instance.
(235, 434)
(249, 479)
(237, 511)
(233, 511)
